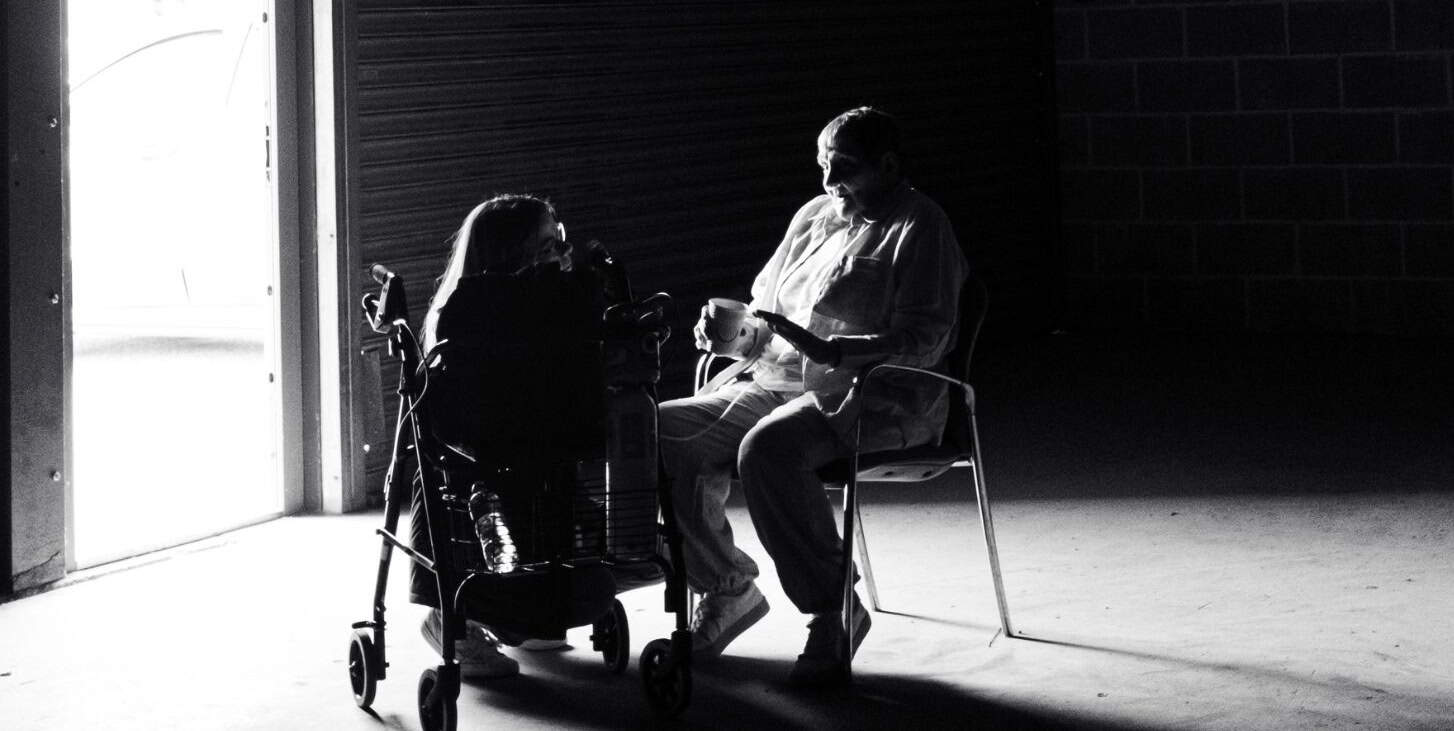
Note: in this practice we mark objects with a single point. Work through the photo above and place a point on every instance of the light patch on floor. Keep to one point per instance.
(1215, 612)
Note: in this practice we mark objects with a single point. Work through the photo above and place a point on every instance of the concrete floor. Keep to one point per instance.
(1194, 534)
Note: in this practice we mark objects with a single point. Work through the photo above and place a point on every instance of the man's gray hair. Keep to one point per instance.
(873, 131)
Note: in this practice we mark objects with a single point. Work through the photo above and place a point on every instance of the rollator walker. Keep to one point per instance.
(504, 513)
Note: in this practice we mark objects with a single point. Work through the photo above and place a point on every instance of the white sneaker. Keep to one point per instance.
(478, 654)
(721, 617)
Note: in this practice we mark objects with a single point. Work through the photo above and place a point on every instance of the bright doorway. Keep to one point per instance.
(175, 416)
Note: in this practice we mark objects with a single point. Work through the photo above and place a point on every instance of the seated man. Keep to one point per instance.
(510, 278)
(869, 271)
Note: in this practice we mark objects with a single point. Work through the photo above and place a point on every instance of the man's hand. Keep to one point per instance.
(817, 349)
(699, 332)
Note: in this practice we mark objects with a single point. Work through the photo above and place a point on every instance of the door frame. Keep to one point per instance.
(285, 352)
(339, 271)
(36, 293)
(35, 522)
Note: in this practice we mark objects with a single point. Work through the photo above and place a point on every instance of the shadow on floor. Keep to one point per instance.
(743, 692)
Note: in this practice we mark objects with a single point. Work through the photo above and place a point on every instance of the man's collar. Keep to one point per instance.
(887, 204)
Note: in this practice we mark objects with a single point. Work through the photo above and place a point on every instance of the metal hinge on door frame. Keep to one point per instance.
(267, 131)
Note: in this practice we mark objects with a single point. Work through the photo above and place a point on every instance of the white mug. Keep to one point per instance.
(726, 322)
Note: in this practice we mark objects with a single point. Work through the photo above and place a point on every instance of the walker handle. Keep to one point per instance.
(651, 308)
(380, 273)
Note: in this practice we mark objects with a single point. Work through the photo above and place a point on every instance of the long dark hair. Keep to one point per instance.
(491, 239)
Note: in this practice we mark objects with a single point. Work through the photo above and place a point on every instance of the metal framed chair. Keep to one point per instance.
(959, 448)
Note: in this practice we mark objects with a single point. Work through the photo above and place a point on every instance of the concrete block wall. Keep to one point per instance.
(1276, 166)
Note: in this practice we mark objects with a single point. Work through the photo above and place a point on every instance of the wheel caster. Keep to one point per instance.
(667, 680)
(437, 711)
(363, 668)
(611, 636)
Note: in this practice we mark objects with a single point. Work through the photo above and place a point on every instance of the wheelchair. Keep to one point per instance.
(502, 511)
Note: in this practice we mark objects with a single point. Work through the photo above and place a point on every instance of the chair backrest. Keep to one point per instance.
(974, 302)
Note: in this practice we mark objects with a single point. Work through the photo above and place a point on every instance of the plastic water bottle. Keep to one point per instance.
(490, 529)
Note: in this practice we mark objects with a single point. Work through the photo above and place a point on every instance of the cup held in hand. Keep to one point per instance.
(725, 323)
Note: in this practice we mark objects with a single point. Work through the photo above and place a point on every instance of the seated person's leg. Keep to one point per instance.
(478, 652)
(530, 611)
(778, 463)
(790, 510)
(519, 607)
(699, 441)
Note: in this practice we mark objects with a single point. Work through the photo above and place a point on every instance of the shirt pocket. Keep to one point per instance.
(857, 294)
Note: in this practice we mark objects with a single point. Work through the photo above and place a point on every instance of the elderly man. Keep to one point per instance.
(868, 272)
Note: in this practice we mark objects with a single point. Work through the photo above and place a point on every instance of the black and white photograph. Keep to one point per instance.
(400, 365)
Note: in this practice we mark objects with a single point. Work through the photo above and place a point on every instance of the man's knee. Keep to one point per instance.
(671, 416)
(771, 445)
(795, 441)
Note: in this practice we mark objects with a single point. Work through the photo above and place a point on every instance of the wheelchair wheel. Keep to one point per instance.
(437, 710)
(668, 684)
(611, 636)
(363, 669)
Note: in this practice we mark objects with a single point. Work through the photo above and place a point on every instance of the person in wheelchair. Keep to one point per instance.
(868, 272)
(512, 276)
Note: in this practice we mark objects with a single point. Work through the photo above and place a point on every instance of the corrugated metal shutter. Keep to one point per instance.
(681, 134)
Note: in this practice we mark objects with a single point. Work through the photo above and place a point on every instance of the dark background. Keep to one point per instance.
(1262, 166)
(1194, 216)
(1256, 193)
(683, 135)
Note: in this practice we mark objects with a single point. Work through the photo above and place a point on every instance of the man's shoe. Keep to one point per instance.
(821, 663)
(478, 654)
(721, 617)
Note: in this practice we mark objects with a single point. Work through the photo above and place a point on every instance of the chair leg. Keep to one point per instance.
(863, 559)
(982, 497)
(850, 505)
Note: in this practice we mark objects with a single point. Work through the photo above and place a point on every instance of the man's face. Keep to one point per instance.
(855, 181)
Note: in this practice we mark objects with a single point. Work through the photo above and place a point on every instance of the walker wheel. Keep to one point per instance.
(668, 683)
(437, 710)
(611, 636)
(363, 669)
